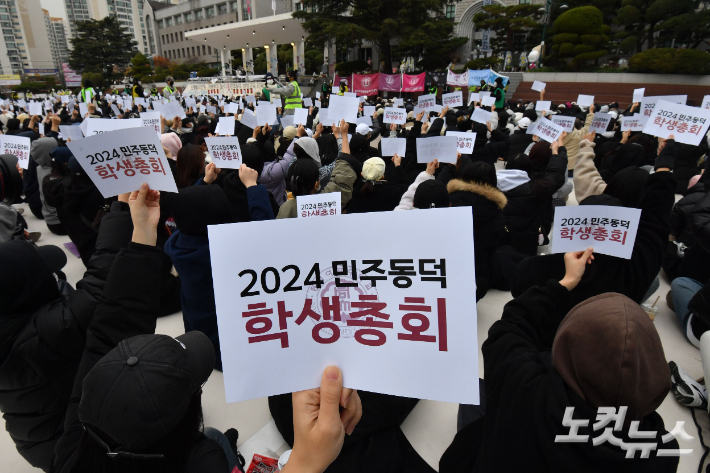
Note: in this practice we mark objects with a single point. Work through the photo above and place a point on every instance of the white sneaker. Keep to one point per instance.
(686, 390)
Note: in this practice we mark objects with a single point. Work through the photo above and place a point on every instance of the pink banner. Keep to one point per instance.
(460, 80)
(390, 82)
(366, 84)
(413, 83)
(347, 79)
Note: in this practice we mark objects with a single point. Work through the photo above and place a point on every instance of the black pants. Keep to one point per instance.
(57, 229)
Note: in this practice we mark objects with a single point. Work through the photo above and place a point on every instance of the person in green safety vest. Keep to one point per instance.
(291, 93)
(169, 88)
(343, 87)
(499, 93)
(88, 93)
(434, 89)
(153, 90)
(268, 80)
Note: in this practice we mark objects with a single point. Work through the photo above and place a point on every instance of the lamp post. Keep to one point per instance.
(549, 3)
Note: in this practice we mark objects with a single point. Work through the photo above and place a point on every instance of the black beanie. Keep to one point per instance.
(431, 194)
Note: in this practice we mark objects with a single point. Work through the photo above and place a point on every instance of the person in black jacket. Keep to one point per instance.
(476, 188)
(528, 215)
(371, 193)
(545, 373)
(632, 277)
(42, 332)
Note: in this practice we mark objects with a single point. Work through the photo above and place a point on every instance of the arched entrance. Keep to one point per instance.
(467, 29)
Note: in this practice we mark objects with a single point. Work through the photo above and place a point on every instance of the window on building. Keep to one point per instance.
(183, 52)
(168, 22)
(246, 10)
(193, 50)
(209, 50)
(181, 37)
(210, 12)
(178, 20)
(235, 6)
(451, 11)
(162, 39)
(203, 50)
(198, 15)
(160, 24)
(524, 2)
(172, 38)
(188, 17)
(222, 9)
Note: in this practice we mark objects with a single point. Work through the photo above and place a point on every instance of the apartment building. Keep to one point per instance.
(25, 38)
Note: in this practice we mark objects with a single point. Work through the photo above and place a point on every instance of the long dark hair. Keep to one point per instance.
(190, 164)
(92, 457)
(302, 176)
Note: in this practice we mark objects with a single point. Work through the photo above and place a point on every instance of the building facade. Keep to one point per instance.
(134, 15)
(24, 39)
(57, 39)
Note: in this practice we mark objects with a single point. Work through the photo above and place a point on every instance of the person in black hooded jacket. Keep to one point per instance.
(42, 333)
(476, 188)
(543, 371)
(528, 215)
(632, 277)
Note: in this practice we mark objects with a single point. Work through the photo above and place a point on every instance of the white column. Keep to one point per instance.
(295, 56)
(250, 59)
(239, 11)
(221, 60)
(268, 58)
(301, 45)
(331, 58)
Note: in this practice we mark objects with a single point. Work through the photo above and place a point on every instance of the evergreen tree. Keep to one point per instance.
(101, 44)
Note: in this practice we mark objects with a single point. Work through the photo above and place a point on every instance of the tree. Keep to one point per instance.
(671, 61)
(508, 23)
(161, 62)
(139, 66)
(100, 45)
(579, 34)
(417, 24)
(641, 20)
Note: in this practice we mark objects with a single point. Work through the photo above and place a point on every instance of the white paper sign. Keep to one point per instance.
(547, 130)
(368, 331)
(399, 102)
(443, 148)
(366, 120)
(83, 110)
(250, 99)
(140, 101)
(600, 122)
(287, 121)
(566, 123)
(649, 103)
(151, 119)
(609, 230)
(120, 161)
(117, 112)
(36, 108)
(473, 97)
(543, 105)
(318, 103)
(95, 126)
(307, 102)
(72, 132)
(318, 205)
(232, 107)
(225, 126)
(19, 146)
(464, 141)
(300, 116)
(638, 95)
(335, 90)
(265, 113)
(687, 124)
(395, 115)
(585, 100)
(538, 86)
(481, 116)
(324, 118)
(488, 101)
(368, 110)
(350, 94)
(631, 123)
(190, 102)
(454, 99)
(343, 107)
(225, 151)
(706, 102)
(392, 146)
(426, 102)
(171, 110)
(317, 95)
(249, 119)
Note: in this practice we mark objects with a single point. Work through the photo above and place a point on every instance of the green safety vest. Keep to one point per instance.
(265, 93)
(500, 103)
(83, 94)
(294, 101)
(170, 91)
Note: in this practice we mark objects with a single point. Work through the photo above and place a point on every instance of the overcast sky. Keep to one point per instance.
(55, 8)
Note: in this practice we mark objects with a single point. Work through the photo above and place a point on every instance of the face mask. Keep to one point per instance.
(270, 82)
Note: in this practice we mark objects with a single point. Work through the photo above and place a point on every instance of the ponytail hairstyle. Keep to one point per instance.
(302, 176)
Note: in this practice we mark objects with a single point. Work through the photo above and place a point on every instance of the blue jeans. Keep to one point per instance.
(682, 290)
(217, 436)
